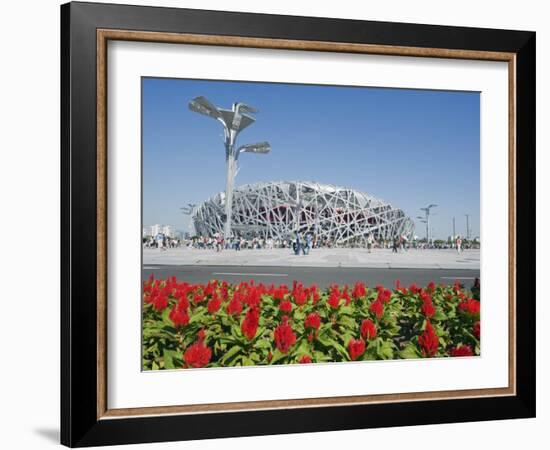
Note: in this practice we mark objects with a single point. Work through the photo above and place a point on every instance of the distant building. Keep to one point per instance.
(156, 229)
(168, 231)
(153, 230)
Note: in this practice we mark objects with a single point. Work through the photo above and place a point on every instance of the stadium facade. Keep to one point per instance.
(278, 209)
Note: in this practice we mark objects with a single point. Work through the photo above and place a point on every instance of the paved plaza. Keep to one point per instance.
(337, 257)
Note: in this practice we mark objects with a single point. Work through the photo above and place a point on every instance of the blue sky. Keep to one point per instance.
(409, 147)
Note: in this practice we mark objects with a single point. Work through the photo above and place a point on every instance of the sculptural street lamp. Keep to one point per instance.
(427, 220)
(234, 120)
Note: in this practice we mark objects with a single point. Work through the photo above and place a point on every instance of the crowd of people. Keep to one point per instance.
(161, 242)
(299, 243)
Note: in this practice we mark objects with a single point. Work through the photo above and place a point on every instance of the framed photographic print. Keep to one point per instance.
(277, 224)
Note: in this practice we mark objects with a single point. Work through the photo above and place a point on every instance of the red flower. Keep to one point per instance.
(249, 327)
(424, 296)
(280, 292)
(457, 286)
(334, 299)
(368, 329)
(356, 348)
(199, 298)
(377, 308)
(359, 291)
(345, 295)
(183, 301)
(428, 309)
(414, 289)
(214, 304)
(299, 294)
(431, 286)
(384, 295)
(462, 350)
(179, 316)
(477, 329)
(159, 301)
(313, 320)
(312, 323)
(428, 341)
(470, 307)
(285, 306)
(235, 306)
(300, 297)
(306, 359)
(314, 293)
(197, 355)
(253, 296)
(284, 336)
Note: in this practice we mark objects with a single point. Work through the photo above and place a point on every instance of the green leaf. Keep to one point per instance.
(385, 350)
(169, 356)
(340, 349)
(410, 352)
(165, 317)
(197, 316)
(346, 310)
(346, 322)
(263, 344)
(277, 355)
(320, 357)
(230, 354)
(236, 331)
(324, 340)
(247, 361)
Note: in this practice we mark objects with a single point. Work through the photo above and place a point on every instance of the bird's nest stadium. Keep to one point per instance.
(279, 209)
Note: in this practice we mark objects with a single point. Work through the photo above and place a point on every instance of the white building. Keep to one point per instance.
(168, 231)
(154, 230)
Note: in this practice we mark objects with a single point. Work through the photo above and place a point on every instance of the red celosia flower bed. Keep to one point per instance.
(221, 325)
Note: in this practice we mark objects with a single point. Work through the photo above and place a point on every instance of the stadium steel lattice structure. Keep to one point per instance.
(279, 209)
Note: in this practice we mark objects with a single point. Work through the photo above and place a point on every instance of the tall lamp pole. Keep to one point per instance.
(454, 231)
(427, 219)
(234, 120)
(467, 226)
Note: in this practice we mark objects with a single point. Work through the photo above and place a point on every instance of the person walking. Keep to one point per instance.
(395, 244)
(370, 241)
(458, 244)
(160, 241)
(307, 247)
(298, 244)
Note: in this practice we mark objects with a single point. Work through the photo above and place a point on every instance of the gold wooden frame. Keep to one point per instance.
(104, 35)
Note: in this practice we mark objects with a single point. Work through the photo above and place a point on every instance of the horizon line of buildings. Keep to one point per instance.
(156, 229)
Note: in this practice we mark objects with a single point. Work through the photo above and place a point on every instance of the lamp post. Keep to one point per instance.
(188, 210)
(234, 120)
(467, 226)
(423, 220)
(454, 231)
(427, 220)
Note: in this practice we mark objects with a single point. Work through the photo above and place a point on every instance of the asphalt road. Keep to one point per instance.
(322, 276)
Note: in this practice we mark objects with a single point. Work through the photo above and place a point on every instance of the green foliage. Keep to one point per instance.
(398, 328)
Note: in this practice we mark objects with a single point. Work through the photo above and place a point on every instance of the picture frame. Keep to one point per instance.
(86, 418)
